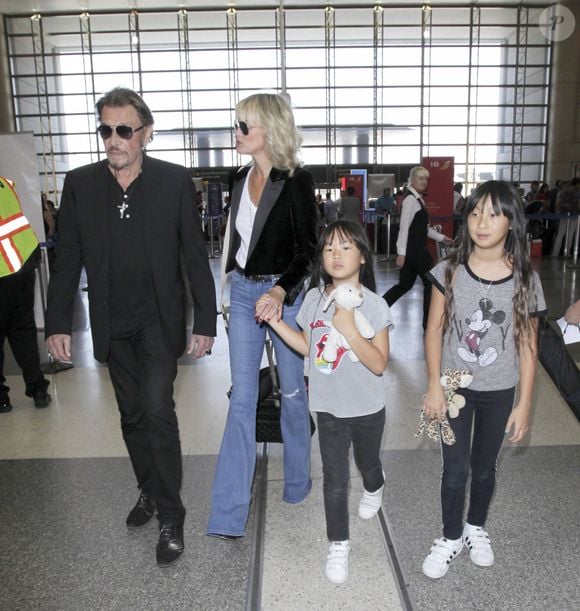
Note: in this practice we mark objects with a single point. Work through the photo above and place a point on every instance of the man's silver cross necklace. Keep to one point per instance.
(124, 205)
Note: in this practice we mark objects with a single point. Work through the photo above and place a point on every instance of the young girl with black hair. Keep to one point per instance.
(348, 396)
(482, 318)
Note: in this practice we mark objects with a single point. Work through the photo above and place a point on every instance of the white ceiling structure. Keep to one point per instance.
(17, 7)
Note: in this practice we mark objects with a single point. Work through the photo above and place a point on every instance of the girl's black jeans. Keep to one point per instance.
(335, 436)
(487, 412)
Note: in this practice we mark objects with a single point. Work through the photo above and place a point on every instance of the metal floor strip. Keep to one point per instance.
(254, 596)
(393, 556)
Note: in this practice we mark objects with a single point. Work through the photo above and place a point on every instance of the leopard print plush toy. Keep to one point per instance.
(451, 380)
(435, 429)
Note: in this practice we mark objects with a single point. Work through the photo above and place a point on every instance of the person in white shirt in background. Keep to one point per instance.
(412, 255)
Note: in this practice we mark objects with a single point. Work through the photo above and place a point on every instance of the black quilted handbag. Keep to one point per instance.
(268, 408)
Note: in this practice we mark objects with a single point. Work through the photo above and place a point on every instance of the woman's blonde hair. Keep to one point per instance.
(273, 112)
(418, 169)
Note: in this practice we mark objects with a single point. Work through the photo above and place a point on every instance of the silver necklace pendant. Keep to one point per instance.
(484, 291)
(124, 207)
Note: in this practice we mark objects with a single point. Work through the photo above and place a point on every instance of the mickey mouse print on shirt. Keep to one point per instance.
(478, 325)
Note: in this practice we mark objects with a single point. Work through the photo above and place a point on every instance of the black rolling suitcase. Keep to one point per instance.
(268, 410)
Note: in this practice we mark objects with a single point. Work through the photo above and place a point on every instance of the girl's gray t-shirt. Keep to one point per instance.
(343, 388)
(480, 334)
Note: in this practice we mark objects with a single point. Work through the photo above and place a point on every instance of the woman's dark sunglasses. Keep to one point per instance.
(243, 127)
(123, 131)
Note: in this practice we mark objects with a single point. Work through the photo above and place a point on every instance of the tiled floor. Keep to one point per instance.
(67, 485)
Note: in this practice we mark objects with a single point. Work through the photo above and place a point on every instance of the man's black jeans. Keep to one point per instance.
(142, 371)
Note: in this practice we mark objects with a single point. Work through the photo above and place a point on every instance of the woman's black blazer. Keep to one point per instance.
(284, 233)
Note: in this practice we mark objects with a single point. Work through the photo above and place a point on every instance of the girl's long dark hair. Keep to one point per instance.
(505, 200)
(345, 230)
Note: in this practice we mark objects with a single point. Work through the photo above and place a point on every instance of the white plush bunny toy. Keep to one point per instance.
(347, 296)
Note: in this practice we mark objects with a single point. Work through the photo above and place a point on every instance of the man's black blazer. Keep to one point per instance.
(284, 234)
(170, 221)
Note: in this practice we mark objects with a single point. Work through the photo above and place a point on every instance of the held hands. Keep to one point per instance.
(59, 346)
(199, 346)
(270, 305)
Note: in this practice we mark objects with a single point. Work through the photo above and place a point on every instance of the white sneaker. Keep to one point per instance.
(477, 541)
(442, 553)
(370, 503)
(337, 561)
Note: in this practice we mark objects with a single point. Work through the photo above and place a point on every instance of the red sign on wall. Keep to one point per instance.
(357, 182)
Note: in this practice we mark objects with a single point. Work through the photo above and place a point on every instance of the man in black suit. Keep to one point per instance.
(125, 219)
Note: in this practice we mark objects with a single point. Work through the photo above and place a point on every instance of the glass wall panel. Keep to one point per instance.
(450, 16)
(446, 96)
(450, 56)
(352, 116)
(104, 62)
(478, 79)
(248, 79)
(312, 57)
(311, 116)
(457, 152)
(446, 135)
(304, 77)
(402, 96)
(449, 76)
(400, 154)
(312, 97)
(304, 18)
(499, 15)
(448, 116)
(354, 77)
(399, 56)
(402, 75)
(401, 116)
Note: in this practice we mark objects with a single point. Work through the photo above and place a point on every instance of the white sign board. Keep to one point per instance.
(18, 163)
(378, 182)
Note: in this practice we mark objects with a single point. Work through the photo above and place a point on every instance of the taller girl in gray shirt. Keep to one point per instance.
(482, 319)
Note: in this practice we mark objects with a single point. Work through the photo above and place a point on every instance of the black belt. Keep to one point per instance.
(256, 277)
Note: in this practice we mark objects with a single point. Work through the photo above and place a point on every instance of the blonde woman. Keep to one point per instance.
(272, 241)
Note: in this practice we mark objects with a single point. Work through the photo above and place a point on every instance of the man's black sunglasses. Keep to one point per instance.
(123, 131)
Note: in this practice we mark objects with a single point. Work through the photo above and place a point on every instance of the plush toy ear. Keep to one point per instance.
(466, 380)
(329, 300)
(458, 401)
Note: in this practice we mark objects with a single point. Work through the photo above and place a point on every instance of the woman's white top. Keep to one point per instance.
(245, 222)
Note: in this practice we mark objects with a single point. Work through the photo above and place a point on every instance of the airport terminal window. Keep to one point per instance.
(449, 81)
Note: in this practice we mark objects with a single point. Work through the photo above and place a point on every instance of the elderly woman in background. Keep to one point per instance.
(413, 257)
(272, 240)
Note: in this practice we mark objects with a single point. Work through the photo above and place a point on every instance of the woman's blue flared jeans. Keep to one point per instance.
(231, 492)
